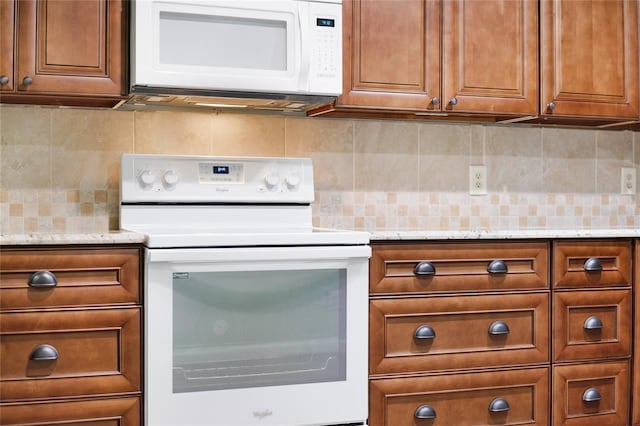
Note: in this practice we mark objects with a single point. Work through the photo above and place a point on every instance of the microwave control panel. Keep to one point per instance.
(199, 179)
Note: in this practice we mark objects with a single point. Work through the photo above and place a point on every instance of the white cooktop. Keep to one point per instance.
(195, 201)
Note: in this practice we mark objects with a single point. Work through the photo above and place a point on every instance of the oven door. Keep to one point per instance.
(257, 336)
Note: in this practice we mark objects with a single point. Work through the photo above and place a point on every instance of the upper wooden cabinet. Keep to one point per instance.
(69, 52)
(453, 56)
(589, 58)
(391, 54)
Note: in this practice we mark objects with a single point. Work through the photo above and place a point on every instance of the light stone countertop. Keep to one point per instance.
(126, 237)
(504, 234)
(108, 237)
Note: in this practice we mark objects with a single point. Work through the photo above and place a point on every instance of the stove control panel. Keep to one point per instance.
(197, 179)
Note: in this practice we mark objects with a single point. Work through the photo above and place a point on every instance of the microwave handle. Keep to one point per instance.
(304, 55)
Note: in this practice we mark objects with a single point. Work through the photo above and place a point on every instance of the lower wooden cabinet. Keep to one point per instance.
(505, 333)
(70, 335)
(511, 397)
(88, 412)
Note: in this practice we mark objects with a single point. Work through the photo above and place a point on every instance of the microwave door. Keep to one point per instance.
(218, 45)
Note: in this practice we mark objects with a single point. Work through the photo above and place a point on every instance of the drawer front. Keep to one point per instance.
(65, 353)
(462, 399)
(591, 263)
(591, 394)
(454, 332)
(458, 267)
(89, 276)
(591, 324)
(94, 412)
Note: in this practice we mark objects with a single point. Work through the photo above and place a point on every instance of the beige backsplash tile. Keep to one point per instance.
(25, 147)
(569, 163)
(386, 156)
(87, 145)
(443, 165)
(178, 133)
(329, 143)
(614, 150)
(513, 159)
(249, 134)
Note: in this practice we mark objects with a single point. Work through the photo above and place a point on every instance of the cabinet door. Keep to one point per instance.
(391, 54)
(70, 47)
(589, 58)
(7, 21)
(490, 56)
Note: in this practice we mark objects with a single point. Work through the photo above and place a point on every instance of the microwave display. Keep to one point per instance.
(325, 22)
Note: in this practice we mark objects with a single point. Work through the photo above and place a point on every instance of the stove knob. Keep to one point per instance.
(272, 181)
(147, 178)
(170, 178)
(293, 181)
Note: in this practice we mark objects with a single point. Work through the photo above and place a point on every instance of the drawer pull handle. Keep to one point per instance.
(499, 405)
(43, 279)
(498, 267)
(591, 395)
(425, 268)
(593, 264)
(44, 353)
(498, 328)
(425, 412)
(424, 332)
(593, 323)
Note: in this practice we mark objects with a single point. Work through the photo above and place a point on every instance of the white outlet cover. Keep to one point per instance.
(628, 180)
(478, 179)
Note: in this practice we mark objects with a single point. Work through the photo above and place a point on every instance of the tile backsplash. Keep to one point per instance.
(59, 168)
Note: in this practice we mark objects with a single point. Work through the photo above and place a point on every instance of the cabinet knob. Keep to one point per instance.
(593, 264)
(499, 405)
(591, 395)
(424, 268)
(43, 279)
(425, 412)
(593, 323)
(27, 81)
(424, 332)
(453, 101)
(44, 353)
(499, 328)
(435, 100)
(498, 267)
(4, 79)
(551, 106)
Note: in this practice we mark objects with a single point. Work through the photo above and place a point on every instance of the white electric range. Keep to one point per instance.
(252, 316)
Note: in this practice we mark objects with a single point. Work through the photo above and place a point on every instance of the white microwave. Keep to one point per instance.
(258, 51)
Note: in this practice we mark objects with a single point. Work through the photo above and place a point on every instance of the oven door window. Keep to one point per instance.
(259, 328)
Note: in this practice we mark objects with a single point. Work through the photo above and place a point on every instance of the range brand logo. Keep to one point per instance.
(262, 414)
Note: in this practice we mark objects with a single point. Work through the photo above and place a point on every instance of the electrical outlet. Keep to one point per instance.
(628, 180)
(478, 180)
